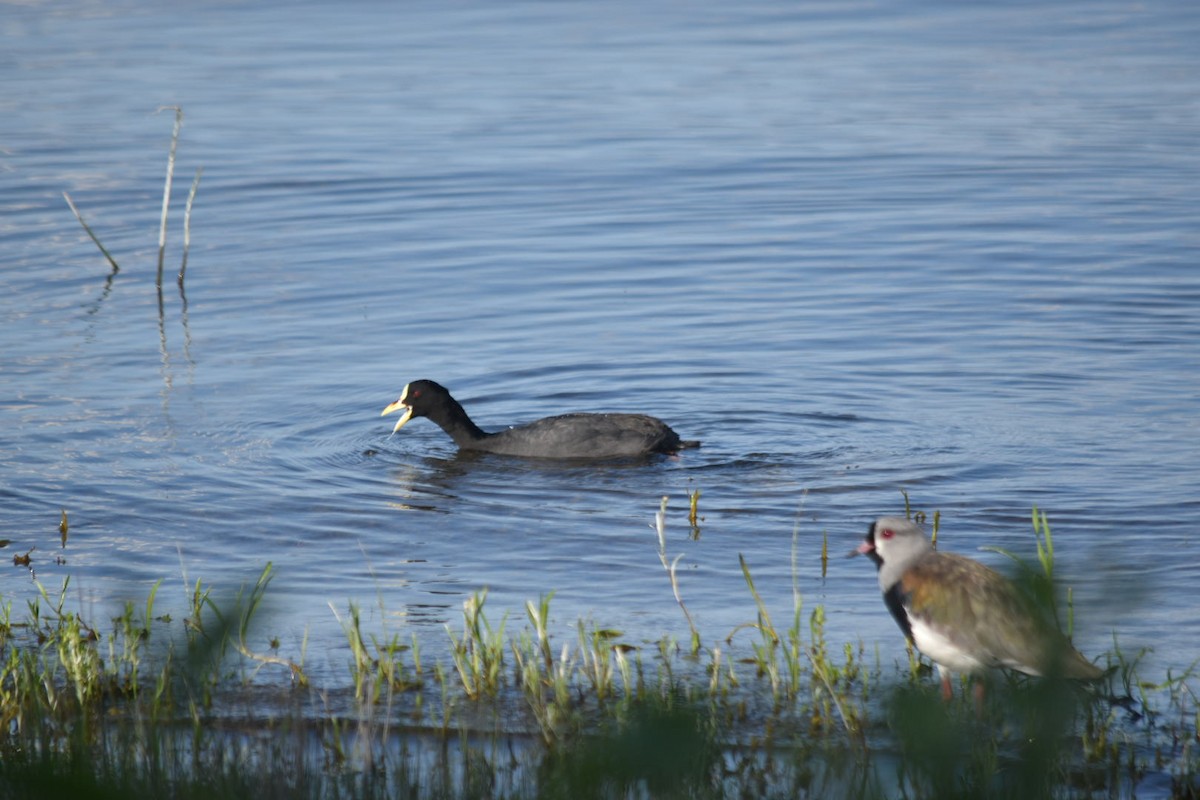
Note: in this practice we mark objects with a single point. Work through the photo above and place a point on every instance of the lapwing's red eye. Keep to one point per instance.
(887, 533)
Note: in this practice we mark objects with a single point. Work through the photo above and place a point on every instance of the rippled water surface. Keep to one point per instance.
(855, 249)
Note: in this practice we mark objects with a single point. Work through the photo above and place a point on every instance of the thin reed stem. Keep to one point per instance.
(78, 216)
(796, 602)
(660, 527)
(166, 204)
(187, 226)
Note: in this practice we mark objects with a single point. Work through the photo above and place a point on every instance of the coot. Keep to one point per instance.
(563, 436)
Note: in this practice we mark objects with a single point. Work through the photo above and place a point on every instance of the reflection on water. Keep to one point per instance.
(852, 250)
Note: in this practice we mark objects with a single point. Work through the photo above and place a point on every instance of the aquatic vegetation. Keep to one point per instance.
(660, 528)
(478, 653)
(151, 706)
(162, 227)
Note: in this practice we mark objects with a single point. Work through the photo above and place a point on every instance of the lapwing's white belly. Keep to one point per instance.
(935, 646)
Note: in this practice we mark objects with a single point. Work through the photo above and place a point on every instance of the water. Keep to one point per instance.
(855, 249)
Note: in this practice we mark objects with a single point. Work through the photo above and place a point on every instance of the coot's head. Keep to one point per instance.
(418, 399)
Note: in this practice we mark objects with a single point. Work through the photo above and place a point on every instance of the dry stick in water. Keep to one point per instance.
(187, 225)
(162, 228)
(95, 239)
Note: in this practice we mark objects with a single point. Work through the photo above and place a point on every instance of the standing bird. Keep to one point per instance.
(592, 436)
(963, 615)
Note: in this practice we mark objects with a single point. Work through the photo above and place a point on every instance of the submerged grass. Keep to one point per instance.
(152, 708)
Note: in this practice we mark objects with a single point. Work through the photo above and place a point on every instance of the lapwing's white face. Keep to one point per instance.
(898, 540)
(894, 544)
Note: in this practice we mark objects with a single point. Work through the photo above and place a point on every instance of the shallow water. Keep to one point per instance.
(854, 249)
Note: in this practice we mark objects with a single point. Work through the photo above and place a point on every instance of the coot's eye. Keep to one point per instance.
(887, 533)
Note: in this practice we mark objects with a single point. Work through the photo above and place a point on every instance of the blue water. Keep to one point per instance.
(856, 249)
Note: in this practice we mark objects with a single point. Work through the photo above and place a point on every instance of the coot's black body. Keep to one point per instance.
(593, 436)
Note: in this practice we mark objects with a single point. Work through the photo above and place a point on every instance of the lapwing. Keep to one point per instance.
(962, 615)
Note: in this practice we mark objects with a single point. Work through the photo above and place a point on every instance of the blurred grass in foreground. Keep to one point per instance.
(150, 708)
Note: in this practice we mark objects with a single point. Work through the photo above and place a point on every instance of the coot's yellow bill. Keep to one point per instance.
(396, 406)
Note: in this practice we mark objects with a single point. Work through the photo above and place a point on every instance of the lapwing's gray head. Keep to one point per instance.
(894, 544)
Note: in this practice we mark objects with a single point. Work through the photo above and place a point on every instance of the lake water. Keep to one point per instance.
(854, 248)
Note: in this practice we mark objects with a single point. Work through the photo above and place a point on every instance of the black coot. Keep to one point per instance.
(564, 436)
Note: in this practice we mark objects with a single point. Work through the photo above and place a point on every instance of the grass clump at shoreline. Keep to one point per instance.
(151, 707)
